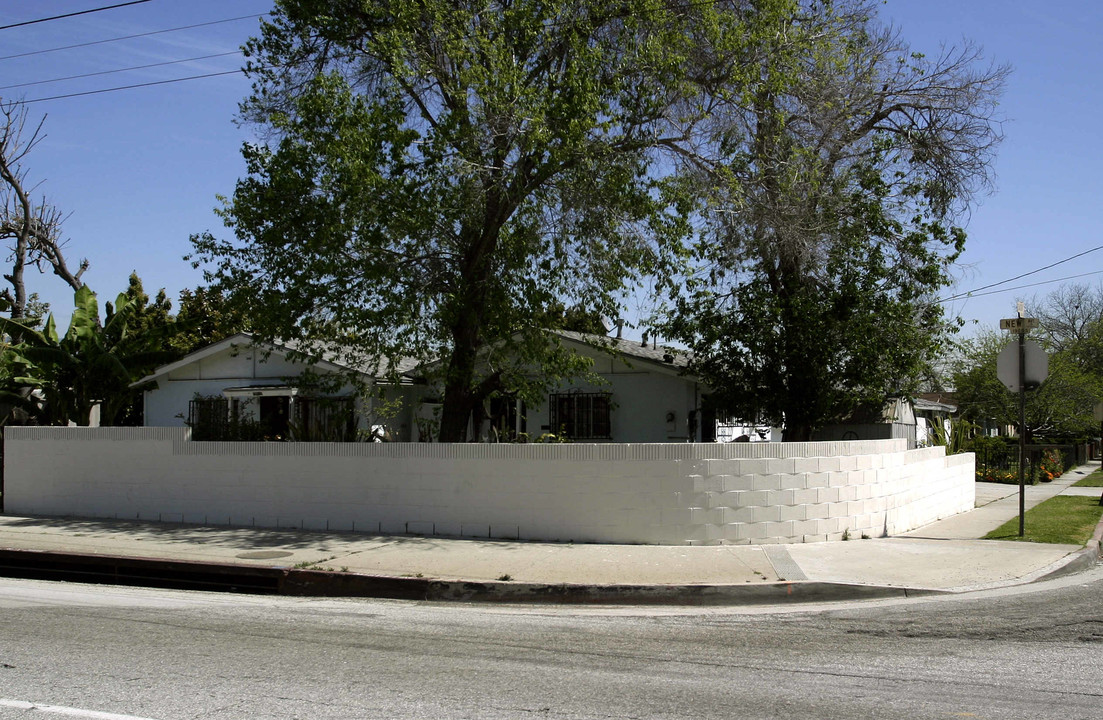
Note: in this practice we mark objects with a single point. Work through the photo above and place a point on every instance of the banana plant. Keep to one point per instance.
(93, 363)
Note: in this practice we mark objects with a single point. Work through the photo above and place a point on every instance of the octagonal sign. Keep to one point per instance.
(1007, 365)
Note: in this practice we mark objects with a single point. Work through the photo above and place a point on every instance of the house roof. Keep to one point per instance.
(330, 361)
(668, 357)
(920, 403)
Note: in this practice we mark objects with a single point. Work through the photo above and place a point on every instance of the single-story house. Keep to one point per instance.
(238, 387)
(242, 388)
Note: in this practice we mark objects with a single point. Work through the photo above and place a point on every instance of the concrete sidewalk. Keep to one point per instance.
(946, 556)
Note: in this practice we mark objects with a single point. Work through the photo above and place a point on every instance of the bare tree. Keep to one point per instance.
(1068, 314)
(32, 229)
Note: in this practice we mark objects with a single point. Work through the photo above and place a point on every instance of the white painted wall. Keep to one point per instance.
(167, 404)
(642, 395)
(667, 494)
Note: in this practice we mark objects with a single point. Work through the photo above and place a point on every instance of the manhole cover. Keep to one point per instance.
(264, 555)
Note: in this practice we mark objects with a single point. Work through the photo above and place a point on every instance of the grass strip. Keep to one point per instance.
(1093, 480)
(1064, 519)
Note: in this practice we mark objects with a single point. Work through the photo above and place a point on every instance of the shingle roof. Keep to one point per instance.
(661, 354)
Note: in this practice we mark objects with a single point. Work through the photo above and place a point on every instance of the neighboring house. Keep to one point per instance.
(241, 388)
(641, 393)
(933, 419)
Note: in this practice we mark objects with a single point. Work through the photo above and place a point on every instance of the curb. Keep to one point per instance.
(296, 582)
(260, 580)
(1083, 559)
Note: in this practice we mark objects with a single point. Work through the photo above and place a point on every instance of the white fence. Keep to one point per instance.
(668, 494)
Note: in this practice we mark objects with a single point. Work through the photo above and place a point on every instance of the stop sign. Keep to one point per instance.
(1007, 365)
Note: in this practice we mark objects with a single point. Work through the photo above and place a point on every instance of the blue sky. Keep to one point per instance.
(138, 170)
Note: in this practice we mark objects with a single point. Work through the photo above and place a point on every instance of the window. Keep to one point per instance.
(581, 416)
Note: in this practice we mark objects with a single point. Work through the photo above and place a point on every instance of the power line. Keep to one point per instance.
(130, 87)
(1022, 287)
(131, 37)
(72, 14)
(976, 291)
(119, 70)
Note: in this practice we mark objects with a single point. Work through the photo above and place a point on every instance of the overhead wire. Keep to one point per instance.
(119, 70)
(131, 37)
(976, 291)
(72, 14)
(130, 87)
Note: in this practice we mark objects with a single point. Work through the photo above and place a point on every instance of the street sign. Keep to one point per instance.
(1007, 365)
(1019, 324)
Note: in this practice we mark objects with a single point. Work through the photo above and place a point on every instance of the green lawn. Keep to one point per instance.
(1093, 480)
(1066, 519)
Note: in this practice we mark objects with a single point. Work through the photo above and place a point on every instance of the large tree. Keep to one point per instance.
(439, 173)
(831, 192)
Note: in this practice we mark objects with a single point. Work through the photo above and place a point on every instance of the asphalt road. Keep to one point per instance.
(121, 653)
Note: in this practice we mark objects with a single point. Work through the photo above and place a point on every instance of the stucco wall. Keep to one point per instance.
(615, 493)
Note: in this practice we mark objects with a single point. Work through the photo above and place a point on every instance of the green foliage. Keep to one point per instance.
(957, 439)
(441, 173)
(1060, 408)
(206, 316)
(91, 363)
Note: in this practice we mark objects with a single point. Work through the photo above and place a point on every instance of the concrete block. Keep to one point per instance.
(391, 526)
(805, 465)
(814, 538)
(782, 466)
(793, 512)
(766, 482)
(754, 466)
(708, 483)
(314, 523)
(674, 517)
(739, 515)
(757, 498)
(507, 532)
(783, 497)
(734, 483)
(805, 528)
(749, 531)
(785, 530)
(475, 530)
(805, 496)
(768, 513)
(827, 495)
(798, 481)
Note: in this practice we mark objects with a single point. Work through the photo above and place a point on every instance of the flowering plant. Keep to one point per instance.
(1051, 466)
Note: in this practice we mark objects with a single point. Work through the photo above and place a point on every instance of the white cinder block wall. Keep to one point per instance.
(668, 494)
